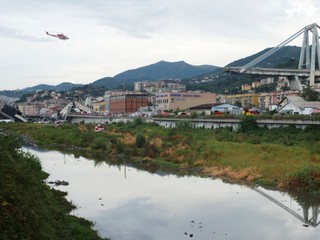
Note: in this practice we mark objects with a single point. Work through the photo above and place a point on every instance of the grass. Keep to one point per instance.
(272, 156)
(29, 209)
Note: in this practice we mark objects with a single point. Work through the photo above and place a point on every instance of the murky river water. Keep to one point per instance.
(130, 204)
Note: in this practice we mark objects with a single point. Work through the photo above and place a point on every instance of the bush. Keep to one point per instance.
(137, 122)
(151, 151)
(248, 124)
(306, 179)
(99, 143)
(194, 115)
(140, 140)
(29, 209)
(183, 125)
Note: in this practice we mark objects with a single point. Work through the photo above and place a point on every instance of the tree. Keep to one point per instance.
(310, 95)
(248, 124)
(238, 103)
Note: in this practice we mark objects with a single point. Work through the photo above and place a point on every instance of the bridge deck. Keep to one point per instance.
(304, 73)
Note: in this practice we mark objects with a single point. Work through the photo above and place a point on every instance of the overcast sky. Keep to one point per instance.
(108, 37)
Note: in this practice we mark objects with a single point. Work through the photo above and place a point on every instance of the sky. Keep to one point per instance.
(108, 37)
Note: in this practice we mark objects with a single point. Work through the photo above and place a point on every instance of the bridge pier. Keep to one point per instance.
(307, 69)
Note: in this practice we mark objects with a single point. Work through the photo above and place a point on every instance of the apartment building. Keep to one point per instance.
(127, 103)
(246, 100)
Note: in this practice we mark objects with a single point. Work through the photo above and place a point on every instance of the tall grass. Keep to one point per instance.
(273, 153)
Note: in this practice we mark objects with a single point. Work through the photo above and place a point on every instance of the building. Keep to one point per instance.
(247, 100)
(29, 109)
(109, 94)
(267, 80)
(226, 108)
(167, 101)
(256, 84)
(216, 109)
(127, 103)
(297, 105)
(138, 86)
(99, 105)
(267, 99)
(159, 86)
(202, 109)
(246, 87)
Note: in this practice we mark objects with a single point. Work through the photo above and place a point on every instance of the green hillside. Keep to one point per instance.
(219, 81)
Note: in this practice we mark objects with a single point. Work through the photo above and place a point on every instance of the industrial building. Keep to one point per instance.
(183, 100)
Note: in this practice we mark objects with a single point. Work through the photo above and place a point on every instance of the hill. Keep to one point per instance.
(65, 86)
(157, 71)
(219, 81)
(203, 77)
(285, 57)
(165, 70)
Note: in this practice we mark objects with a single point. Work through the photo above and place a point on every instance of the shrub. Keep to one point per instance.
(183, 125)
(194, 115)
(137, 122)
(306, 179)
(98, 143)
(151, 150)
(29, 209)
(140, 140)
(248, 124)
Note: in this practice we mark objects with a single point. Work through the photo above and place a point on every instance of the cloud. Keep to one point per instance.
(111, 36)
(17, 34)
(140, 19)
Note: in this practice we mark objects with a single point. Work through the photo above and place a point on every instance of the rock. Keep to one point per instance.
(63, 183)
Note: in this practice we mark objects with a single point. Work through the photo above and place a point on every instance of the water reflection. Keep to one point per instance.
(128, 203)
(312, 221)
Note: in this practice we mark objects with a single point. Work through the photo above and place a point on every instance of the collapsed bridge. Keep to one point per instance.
(308, 71)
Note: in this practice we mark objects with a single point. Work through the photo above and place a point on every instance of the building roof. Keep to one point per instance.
(300, 102)
(202, 106)
(208, 106)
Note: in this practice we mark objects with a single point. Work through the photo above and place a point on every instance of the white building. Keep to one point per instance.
(226, 108)
(297, 105)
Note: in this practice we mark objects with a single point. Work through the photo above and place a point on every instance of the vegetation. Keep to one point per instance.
(29, 209)
(271, 87)
(89, 90)
(310, 94)
(275, 156)
(227, 83)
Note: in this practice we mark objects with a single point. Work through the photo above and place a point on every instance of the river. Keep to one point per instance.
(126, 203)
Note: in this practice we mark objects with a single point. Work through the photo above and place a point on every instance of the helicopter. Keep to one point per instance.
(61, 36)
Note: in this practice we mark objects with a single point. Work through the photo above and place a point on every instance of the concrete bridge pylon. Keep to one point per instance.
(309, 62)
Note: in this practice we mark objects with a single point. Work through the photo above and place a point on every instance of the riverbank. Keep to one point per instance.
(29, 209)
(287, 158)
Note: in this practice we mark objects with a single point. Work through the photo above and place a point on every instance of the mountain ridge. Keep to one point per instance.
(156, 71)
(286, 57)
